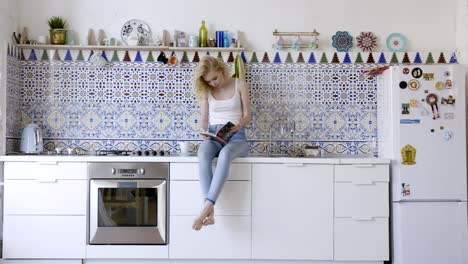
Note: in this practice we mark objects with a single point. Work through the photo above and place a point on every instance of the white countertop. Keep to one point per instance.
(193, 158)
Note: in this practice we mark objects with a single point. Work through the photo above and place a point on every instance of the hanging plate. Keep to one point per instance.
(396, 42)
(342, 41)
(367, 41)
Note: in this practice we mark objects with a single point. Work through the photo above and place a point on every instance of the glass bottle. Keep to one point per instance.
(203, 35)
(226, 39)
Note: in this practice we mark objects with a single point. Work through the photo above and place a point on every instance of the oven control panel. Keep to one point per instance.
(128, 172)
(156, 170)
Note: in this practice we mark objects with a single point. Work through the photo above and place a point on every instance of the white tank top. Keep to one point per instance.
(222, 111)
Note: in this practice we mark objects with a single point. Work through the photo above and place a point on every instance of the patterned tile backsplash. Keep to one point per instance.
(148, 105)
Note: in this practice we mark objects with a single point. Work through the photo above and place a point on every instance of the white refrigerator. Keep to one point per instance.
(422, 130)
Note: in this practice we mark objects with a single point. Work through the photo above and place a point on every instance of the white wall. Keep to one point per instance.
(430, 25)
(8, 24)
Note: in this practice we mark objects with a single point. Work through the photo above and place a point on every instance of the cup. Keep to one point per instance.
(42, 39)
(98, 60)
(193, 41)
(173, 60)
(185, 147)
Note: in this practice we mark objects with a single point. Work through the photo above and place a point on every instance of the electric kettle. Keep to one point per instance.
(31, 139)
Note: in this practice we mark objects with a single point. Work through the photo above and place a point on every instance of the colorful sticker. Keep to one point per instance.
(414, 103)
(432, 99)
(417, 73)
(413, 85)
(448, 84)
(410, 121)
(439, 85)
(405, 189)
(449, 116)
(408, 155)
(450, 100)
(405, 107)
(428, 76)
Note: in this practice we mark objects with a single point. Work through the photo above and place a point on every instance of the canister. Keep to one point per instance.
(220, 39)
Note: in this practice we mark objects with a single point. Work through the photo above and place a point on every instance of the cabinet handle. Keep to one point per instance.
(363, 218)
(46, 180)
(364, 165)
(294, 164)
(362, 182)
(47, 162)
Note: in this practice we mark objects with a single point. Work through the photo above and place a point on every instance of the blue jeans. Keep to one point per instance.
(211, 184)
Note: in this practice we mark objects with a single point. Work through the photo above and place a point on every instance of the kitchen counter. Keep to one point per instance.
(193, 158)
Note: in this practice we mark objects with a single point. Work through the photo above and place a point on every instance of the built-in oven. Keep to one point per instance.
(128, 203)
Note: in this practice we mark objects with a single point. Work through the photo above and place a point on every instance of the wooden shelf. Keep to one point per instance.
(130, 48)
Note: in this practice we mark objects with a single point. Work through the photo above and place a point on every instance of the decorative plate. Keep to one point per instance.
(396, 42)
(342, 41)
(367, 41)
(136, 32)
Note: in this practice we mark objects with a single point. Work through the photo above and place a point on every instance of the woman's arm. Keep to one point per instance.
(204, 113)
(245, 102)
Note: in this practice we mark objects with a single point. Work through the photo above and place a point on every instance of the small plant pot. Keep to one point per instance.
(58, 36)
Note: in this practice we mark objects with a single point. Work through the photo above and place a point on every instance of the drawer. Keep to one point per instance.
(357, 200)
(361, 239)
(189, 171)
(51, 237)
(186, 198)
(37, 197)
(362, 173)
(45, 170)
(228, 238)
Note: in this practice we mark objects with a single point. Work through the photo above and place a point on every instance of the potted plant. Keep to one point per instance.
(57, 31)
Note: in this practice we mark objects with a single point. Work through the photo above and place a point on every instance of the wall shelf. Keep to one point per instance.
(129, 48)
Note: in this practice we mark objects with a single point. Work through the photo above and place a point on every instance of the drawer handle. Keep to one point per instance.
(294, 164)
(363, 182)
(47, 162)
(364, 165)
(47, 180)
(363, 218)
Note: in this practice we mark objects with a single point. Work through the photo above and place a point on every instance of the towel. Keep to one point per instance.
(239, 68)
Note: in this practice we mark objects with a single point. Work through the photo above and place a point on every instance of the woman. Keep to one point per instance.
(222, 99)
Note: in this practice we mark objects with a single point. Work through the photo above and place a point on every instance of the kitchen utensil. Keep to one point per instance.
(31, 139)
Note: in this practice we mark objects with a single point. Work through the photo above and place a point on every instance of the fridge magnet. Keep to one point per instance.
(432, 99)
(432, 130)
(410, 121)
(449, 116)
(450, 100)
(405, 108)
(413, 85)
(408, 155)
(439, 85)
(428, 76)
(448, 135)
(405, 189)
(342, 41)
(447, 74)
(414, 103)
(366, 41)
(403, 85)
(417, 73)
(448, 84)
(405, 70)
(396, 42)
(426, 91)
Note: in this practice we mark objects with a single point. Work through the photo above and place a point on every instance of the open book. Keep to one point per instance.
(222, 136)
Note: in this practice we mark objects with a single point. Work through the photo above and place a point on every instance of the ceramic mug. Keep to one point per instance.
(98, 60)
(185, 147)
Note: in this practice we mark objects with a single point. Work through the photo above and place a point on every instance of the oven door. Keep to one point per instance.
(128, 212)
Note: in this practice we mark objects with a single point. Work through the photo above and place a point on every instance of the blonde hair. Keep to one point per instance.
(207, 64)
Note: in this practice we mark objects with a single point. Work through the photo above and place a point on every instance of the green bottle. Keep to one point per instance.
(203, 35)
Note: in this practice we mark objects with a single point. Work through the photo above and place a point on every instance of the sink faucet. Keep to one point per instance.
(286, 130)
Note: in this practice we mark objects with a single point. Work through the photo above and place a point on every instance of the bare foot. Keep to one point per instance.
(198, 222)
(209, 219)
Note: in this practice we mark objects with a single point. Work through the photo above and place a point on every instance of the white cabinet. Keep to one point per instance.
(45, 210)
(361, 212)
(292, 211)
(230, 236)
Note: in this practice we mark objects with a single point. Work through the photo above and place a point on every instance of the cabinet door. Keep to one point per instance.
(292, 211)
(52, 237)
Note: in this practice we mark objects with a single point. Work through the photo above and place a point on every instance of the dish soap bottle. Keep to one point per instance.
(203, 35)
